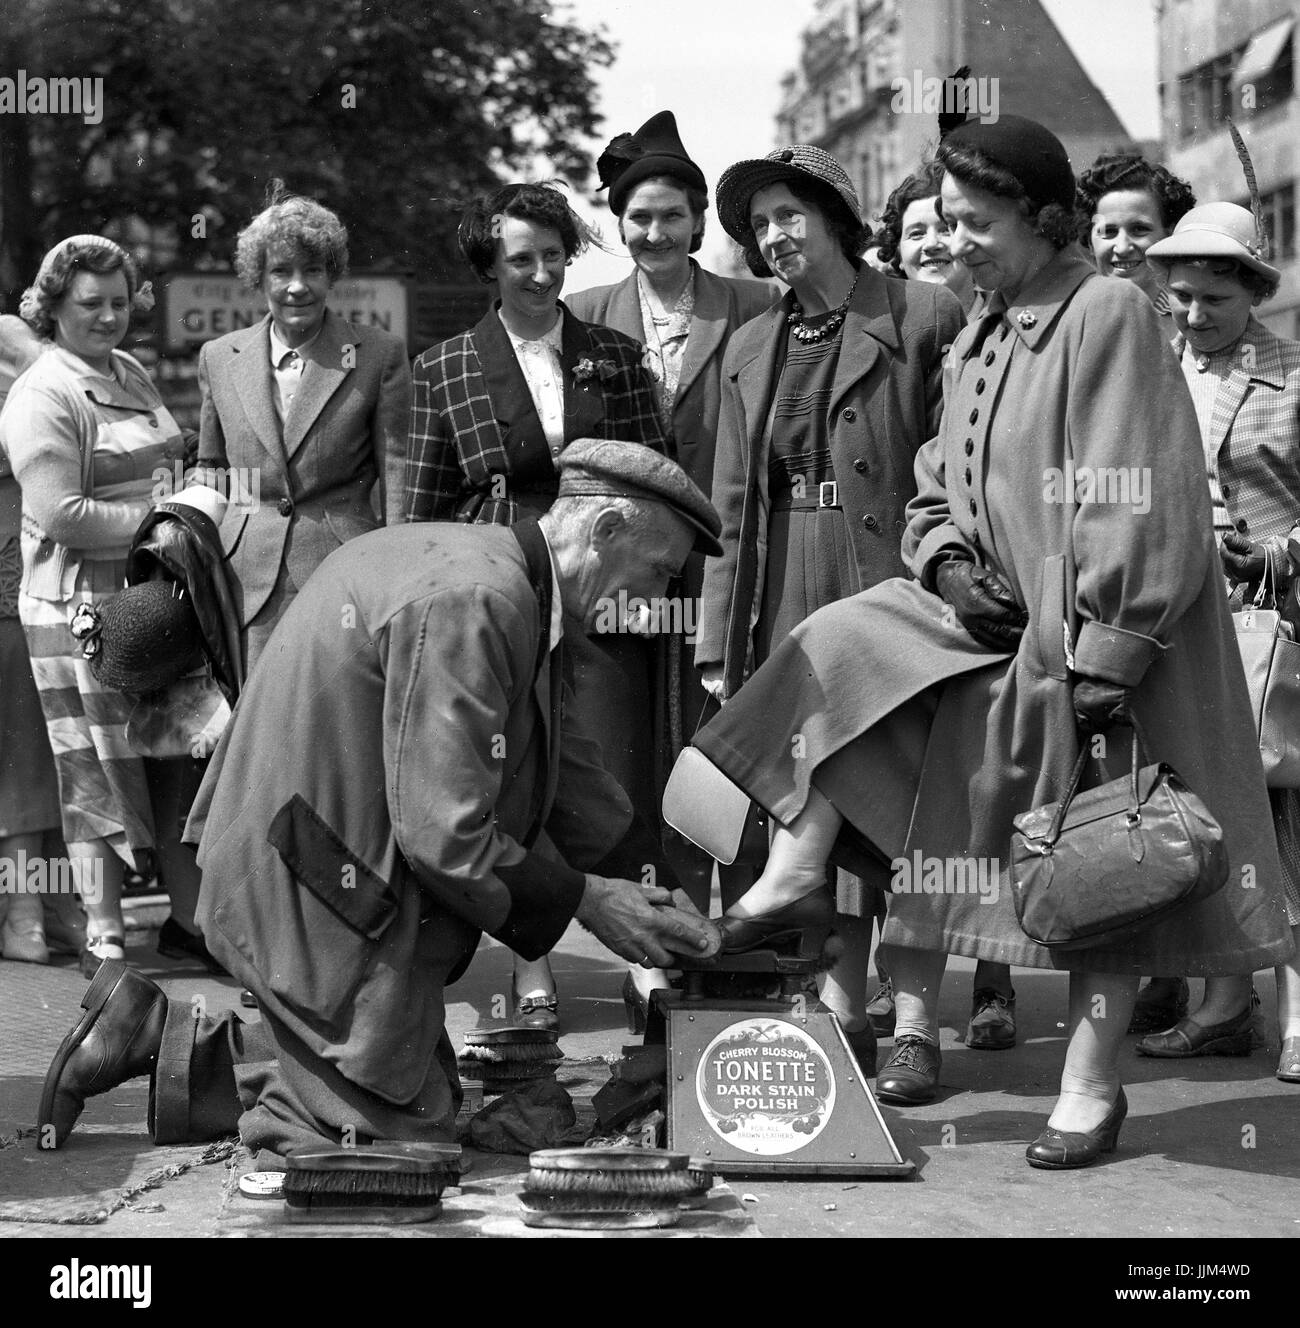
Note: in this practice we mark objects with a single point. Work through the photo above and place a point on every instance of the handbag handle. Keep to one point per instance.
(1134, 814)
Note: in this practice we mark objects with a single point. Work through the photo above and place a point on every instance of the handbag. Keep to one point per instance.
(1270, 657)
(703, 805)
(1099, 866)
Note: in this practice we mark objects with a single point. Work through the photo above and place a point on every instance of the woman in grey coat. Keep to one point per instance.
(915, 720)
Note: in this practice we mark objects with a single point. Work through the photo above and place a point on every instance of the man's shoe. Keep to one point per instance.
(880, 1010)
(911, 1075)
(992, 1020)
(1159, 1007)
(117, 1039)
(1188, 1038)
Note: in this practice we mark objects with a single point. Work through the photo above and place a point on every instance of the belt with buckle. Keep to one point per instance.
(827, 496)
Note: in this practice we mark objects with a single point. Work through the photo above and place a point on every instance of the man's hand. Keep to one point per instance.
(642, 925)
(983, 603)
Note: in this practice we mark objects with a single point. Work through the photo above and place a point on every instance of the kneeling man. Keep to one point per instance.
(376, 804)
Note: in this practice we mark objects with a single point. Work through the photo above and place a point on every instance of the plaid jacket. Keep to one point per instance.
(471, 404)
(1255, 436)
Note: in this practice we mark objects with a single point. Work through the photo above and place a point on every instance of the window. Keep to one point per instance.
(1265, 75)
(1279, 220)
(1205, 96)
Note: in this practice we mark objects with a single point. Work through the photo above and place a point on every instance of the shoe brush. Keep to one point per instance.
(508, 1056)
(607, 1188)
(394, 1182)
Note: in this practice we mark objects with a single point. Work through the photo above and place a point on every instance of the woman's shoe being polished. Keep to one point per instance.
(1063, 1150)
(801, 926)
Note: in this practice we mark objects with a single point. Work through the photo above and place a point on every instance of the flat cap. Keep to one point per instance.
(598, 467)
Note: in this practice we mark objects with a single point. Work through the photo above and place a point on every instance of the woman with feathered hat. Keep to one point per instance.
(685, 317)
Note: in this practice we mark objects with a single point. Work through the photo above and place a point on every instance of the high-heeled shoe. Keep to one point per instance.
(24, 941)
(800, 926)
(541, 1011)
(1064, 1150)
(1188, 1038)
(636, 1007)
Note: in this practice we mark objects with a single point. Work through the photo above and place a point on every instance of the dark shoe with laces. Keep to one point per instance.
(880, 1010)
(911, 1075)
(992, 1020)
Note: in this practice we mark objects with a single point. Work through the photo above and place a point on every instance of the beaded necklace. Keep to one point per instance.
(800, 329)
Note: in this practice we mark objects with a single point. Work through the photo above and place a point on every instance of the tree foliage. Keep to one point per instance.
(392, 113)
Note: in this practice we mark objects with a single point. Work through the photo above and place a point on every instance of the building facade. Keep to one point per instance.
(1235, 58)
(868, 82)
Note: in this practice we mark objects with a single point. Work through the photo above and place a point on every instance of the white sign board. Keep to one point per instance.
(202, 305)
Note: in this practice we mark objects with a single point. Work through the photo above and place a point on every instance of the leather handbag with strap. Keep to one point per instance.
(1099, 866)
(1270, 656)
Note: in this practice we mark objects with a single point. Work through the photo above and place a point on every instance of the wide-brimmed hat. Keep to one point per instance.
(655, 149)
(800, 161)
(142, 639)
(1214, 230)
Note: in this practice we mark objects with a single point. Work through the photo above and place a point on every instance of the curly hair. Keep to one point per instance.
(541, 204)
(299, 224)
(1255, 282)
(922, 184)
(1057, 224)
(852, 235)
(697, 200)
(1115, 171)
(41, 299)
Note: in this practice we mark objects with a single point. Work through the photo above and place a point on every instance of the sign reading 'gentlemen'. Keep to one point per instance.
(199, 306)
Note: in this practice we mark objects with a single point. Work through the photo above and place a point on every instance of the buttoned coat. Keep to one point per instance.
(885, 404)
(722, 305)
(368, 811)
(1255, 437)
(951, 740)
(472, 413)
(315, 473)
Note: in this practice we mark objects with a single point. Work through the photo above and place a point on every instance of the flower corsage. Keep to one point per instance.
(587, 368)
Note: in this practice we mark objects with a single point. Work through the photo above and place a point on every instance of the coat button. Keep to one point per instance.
(1223, 489)
(153, 421)
(285, 506)
(870, 522)
(1243, 525)
(989, 358)
(974, 508)
(968, 477)
(979, 387)
(970, 446)
(860, 466)
(974, 415)
(850, 414)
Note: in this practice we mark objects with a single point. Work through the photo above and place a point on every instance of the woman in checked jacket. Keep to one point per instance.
(492, 410)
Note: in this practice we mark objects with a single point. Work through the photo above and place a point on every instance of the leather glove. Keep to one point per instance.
(1100, 705)
(1242, 560)
(983, 602)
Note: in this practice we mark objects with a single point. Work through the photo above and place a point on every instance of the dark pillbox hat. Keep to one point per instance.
(1025, 149)
(148, 637)
(597, 467)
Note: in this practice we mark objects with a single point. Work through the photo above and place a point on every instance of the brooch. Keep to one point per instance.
(1026, 319)
(86, 626)
(587, 368)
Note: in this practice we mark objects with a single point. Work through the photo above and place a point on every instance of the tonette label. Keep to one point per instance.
(765, 1087)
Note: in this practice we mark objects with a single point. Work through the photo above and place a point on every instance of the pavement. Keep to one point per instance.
(1211, 1147)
